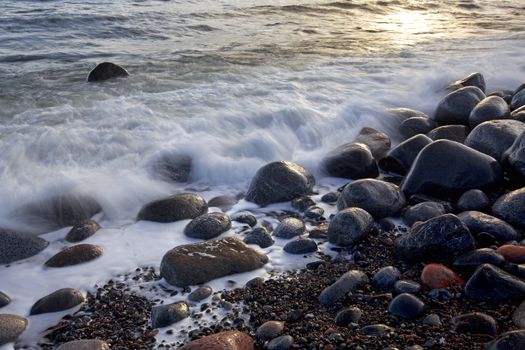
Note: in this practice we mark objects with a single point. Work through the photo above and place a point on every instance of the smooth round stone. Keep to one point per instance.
(82, 230)
(377, 329)
(314, 212)
(512, 340)
(406, 286)
(512, 253)
(432, 320)
(301, 246)
(59, 300)
(11, 327)
(457, 133)
(455, 108)
(208, 226)
(386, 277)
(423, 212)
(416, 125)
(269, 330)
(475, 323)
(350, 161)
(473, 200)
(510, 208)
(257, 282)
(474, 79)
(245, 218)
(490, 108)
(347, 316)
(480, 222)
(106, 70)
(280, 343)
(471, 260)
(84, 344)
(494, 137)
(406, 306)
(75, 255)
(438, 276)
(518, 317)
(178, 207)
(200, 293)
(349, 226)
(289, 228)
(165, 315)
(16, 246)
(259, 236)
(4, 299)
(400, 158)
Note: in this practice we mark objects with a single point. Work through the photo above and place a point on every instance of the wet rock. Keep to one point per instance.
(11, 327)
(432, 320)
(314, 213)
(457, 133)
(350, 161)
(446, 167)
(259, 236)
(475, 323)
(224, 203)
(512, 253)
(269, 330)
(416, 125)
(386, 277)
(378, 142)
(514, 157)
(438, 276)
(347, 316)
(377, 329)
(302, 203)
(172, 167)
(229, 340)
(349, 226)
(379, 198)
(518, 100)
(518, 317)
(174, 208)
(405, 286)
(510, 208)
(244, 218)
(475, 200)
(59, 300)
(471, 260)
(518, 114)
(345, 284)
(106, 70)
(455, 108)
(82, 230)
(280, 343)
(200, 293)
(490, 108)
(400, 158)
(406, 306)
(494, 137)
(74, 255)
(84, 344)
(208, 226)
(165, 315)
(289, 228)
(4, 299)
(473, 79)
(440, 239)
(508, 341)
(16, 246)
(279, 182)
(506, 95)
(301, 246)
(423, 212)
(201, 262)
(479, 222)
(330, 197)
(492, 284)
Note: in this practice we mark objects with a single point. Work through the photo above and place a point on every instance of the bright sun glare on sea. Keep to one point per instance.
(408, 22)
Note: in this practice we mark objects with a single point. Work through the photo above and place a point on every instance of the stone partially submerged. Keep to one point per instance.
(178, 207)
(106, 70)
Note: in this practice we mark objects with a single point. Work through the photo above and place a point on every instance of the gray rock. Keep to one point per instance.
(378, 142)
(59, 300)
(178, 207)
(416, 125)
(439, 239)
(349, 226)
(518, 114)
(506, 95)
(518, 317)
(165, 315)
(199, 263)
(473, 79)
(302, 203)
(346, 283)
(495, 137)
(269, 330)
(490, 283)
(514, 158)
(16, 246)
(471, 260)
(200, 293)
(82, 230)
(289, 228)
(510, 208)
(84, 344)
(455, 108)
(172, 167)
(347, 316)
(301, 246)
(74, 255)
(314, 213)
(245, 218)
(457, 133)
(405, 286)
(377, 329)
(475, 323)
(350, 161)
(478, 222)
(432, 320)
(259, 236)
(280, 343)
(279, 182)
(400, 158)
(4, 299)
(208, 226)
(11, 327)
(224, 203)
(386, 277)
(106, 70)
(518, 100)
(406, 306)
(490, 108)
(330, 197)
(473, 200)
(512, 340)
(379, 198)
(445, 167)
(423, 211)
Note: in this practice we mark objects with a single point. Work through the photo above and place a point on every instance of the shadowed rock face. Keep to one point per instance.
(106, 70)
(230, 340)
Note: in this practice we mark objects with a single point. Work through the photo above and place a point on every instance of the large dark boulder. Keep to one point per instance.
(207, 226)
(106, 70)
(439, 239)
(279, 182)
(490, 283)
(416, 125)
(198, 263)
(455, 108)
(17, 246)
(478, 222)
(349, 226)
(456, 133)
(59, 300)
(514, 158)
(351, 161)
(510, 208)
(446, 167)
(178, 207)
(490, 108)
(378, 142)
(495, 137)
(474, 79)
(11, 327)
(400, 158)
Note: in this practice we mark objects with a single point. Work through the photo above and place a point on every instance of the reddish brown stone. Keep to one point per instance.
(436, 276)
(231, 340)
(74, 255)
(512, 253)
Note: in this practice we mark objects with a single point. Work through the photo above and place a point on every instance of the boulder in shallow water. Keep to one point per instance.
(59, 300)
(416, 125)
(378, 142)
(455, 108)
(279, 182)
(490, 283)
(4, 299)
(495, 137)
(82, 230)
(510, 208)
(11, 327)
(259, 236)
(84, 344)
(17, 246)
(301, 246)
(75, 255)
(178, 207)
(349, 226)
(474, 79)
(490, 108)
(198, 263)
(229, 340)
(207, 226)
(351, 161)
(106, 70)
(400, 158)
(478, 222)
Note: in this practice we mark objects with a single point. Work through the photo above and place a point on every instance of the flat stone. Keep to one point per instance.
(345, 284)
(289, 228)
(377, 329)
(229, 340)
(208, 226)
(490, 283)
(406, 306)
(178, 207)
(82, 230)
(84, 344)
(16, 246)
(301, 246)
(269, 330)
(11, 327)
(405, 286)
(60, 300)
(471, 260)
(75, 255)
(165, 315)
(349, 226)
